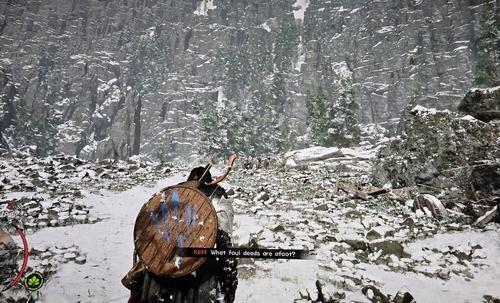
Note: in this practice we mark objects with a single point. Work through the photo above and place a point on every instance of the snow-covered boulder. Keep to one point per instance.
(431, 205)
(311, 154)
(483, 104)
(437, 148)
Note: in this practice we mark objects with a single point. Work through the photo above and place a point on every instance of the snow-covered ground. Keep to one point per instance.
(108, 245)
(356, 243)
(457, 289)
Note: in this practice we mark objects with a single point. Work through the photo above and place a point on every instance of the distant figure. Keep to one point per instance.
(266, 162)
(258, 163)
(248, 163)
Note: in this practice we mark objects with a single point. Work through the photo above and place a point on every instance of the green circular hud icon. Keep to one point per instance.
(34, 281)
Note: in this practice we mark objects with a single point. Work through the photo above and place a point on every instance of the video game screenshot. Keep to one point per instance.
(249, 151)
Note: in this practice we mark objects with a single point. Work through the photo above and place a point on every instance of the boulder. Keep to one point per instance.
(491, 299)
(483, 104)
(80, 260)
(311, 154)
(356, 244)
(432, 204)
(374, 294)
(389, 247)
(403, 298)
(322, 207)
(262, 196)
(485, 179)
(437, 149)
(373, 235)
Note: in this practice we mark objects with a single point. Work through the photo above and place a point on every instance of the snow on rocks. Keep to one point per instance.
(47, 261)
(35, 212)
(483, 104)
(349, 235)
(44, 192)
(316, 153)
(355, 242)
(47, 194)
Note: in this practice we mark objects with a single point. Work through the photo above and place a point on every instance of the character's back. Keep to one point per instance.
(211, 280)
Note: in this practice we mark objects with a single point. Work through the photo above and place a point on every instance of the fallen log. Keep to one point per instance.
(377, 191)
(401, 194)
(487, 217)
(357, 190)
(361, 195)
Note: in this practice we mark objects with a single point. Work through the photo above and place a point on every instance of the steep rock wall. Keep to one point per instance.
(112, 78)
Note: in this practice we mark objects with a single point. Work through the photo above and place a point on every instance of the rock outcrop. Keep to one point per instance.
(483, 104)
(438, 149)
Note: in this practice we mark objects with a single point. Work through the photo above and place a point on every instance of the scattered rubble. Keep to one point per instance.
(46, 261)
(350, 224)
(429, 203)
(45, 192)
(438, 149)
(38, 193)
(333, 207)
(452, 157)
(376, 296)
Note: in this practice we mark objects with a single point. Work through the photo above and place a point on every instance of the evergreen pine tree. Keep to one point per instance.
(214, 132)
(318, 115)
(343, 128)
(231, 125)
(334, 123)
(288, 135)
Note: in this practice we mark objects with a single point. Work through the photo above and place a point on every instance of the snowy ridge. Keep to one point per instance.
(300, 7)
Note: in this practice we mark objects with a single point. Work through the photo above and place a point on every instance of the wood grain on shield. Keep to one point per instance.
(188, 235)
(143, 234)
(160, 229)
(154, 245)
(164, 254)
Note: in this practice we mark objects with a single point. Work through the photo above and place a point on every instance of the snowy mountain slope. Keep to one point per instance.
(110, 79)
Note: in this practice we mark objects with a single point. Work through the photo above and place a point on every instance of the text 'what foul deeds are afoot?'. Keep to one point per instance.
(245, 253)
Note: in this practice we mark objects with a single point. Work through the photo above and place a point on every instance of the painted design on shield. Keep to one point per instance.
(164, 216)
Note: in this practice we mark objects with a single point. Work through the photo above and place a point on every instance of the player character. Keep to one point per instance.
(215, 281)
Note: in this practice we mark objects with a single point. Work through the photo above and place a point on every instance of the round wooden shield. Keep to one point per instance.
(177, 217)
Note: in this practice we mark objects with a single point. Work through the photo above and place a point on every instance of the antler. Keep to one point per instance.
(232, 158)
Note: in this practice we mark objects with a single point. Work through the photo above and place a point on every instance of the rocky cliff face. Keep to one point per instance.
(112, 78)
(437, 148)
